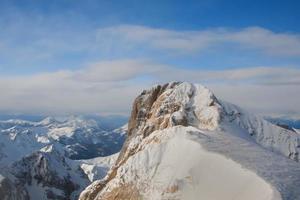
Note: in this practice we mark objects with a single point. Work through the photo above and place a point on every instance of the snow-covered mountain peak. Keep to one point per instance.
(78, 121)
(48, 148)
(47, 121)
(165, 156)
(174, 104)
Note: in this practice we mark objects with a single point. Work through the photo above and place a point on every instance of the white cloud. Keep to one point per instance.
(261, 99)
(117, 70)
(285, 44)
(57, 95)
(25, 45)
(111, 86)
(254, 75)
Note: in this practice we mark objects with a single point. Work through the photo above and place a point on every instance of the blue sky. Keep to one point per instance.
(127, 45)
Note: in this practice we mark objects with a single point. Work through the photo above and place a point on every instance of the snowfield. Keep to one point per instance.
(178, 167)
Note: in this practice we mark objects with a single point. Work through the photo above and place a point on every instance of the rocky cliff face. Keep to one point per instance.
(173, 104)
(9, 190)
(44, 174)
(48, 174)
(176, 104)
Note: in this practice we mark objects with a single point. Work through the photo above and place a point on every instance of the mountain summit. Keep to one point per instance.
(185, 143)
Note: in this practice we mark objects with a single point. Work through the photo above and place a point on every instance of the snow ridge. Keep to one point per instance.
(269, 135)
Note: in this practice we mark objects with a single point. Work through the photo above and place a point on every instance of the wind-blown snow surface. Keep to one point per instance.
(186, 144)
(178, 167)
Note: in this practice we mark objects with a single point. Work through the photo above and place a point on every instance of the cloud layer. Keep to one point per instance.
(88, 69)
(29, 43)
(283, 44)
(110, 87)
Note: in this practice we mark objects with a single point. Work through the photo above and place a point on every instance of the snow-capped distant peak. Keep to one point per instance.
(47, 121)
(48, 148)
(122, 130)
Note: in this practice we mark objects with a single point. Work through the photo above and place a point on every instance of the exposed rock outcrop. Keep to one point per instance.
(9, 190)
(44, 174)
(173, 104)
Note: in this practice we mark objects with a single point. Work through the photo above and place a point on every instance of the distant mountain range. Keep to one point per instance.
(287, 122)
(107, 122)
(43, 160)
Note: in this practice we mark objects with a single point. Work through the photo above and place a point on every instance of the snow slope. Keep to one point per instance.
(184, 143)
(97, 168)
(162, 171)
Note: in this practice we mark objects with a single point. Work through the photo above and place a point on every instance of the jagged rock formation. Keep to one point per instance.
(164, 106)
(9, 190)
(48, 174)
(179, 111)
(51, 172)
